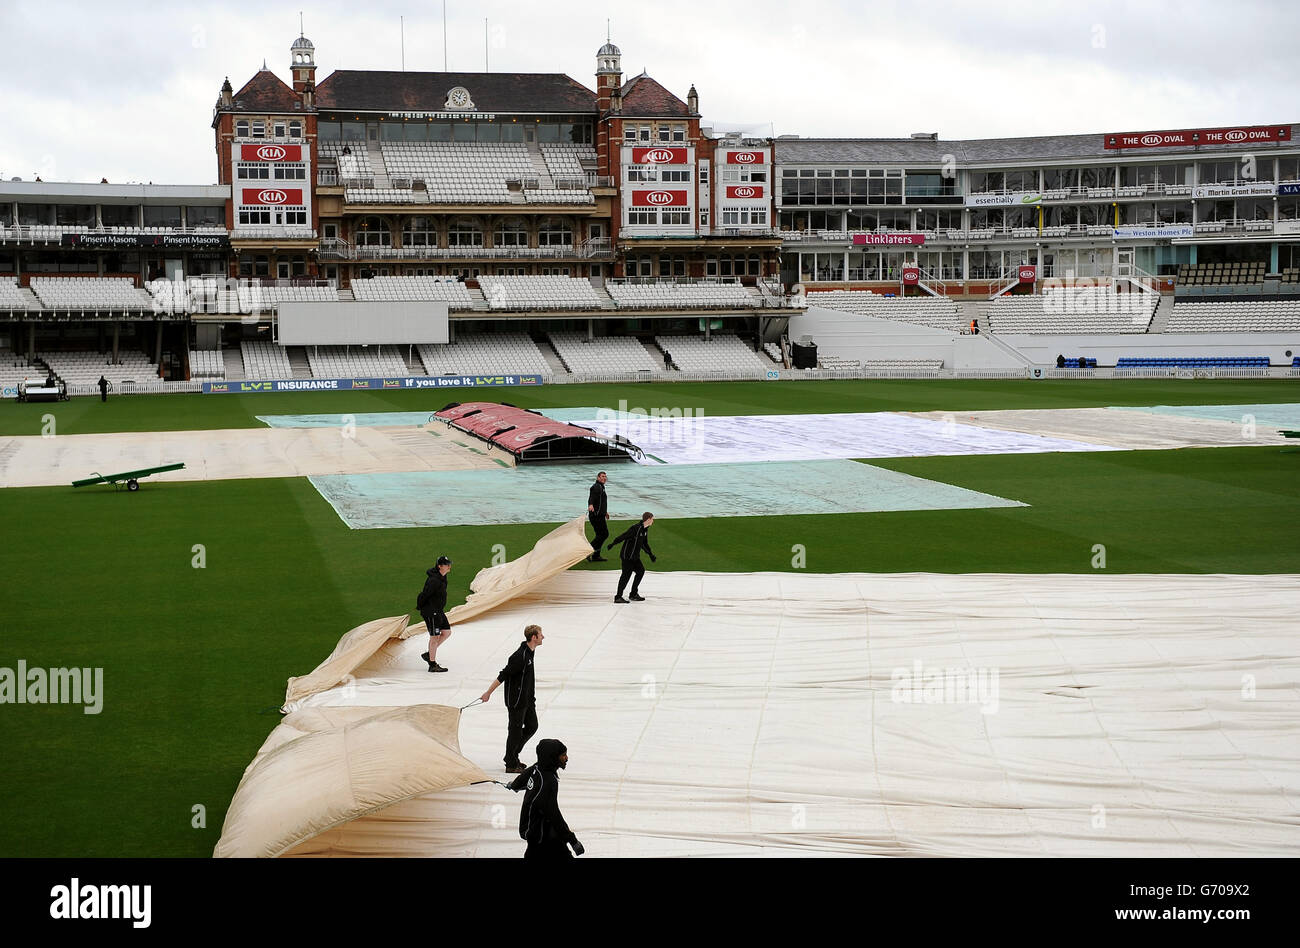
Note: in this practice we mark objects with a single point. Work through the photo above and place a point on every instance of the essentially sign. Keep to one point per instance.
(272, 196)
(142, 241)
(658, 156)
(270, 152)
(1243, 135)
(888, 239)
(1173, 230)
(746, 158)
(659, 198)
(1234, 190)
(1027, 274)
(351, 385)
(744, 191)
(911, 276)
(1003, 200)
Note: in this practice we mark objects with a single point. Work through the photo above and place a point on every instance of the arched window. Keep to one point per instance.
(419, 232)
(465, 232)
(555, 232)
(372, 232)
(510, 232)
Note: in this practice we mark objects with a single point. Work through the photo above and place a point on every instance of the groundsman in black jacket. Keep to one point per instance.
(540, 821)
(634, 539)
(521, 697)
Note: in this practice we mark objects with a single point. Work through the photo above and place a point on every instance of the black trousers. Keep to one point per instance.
(602, 532)
(103, 395)
(548, 851)
(633, 568)
(523, 725)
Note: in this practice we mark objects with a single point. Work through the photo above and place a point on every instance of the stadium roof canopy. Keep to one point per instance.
(931, 151)
(530, 436)
(506, 92)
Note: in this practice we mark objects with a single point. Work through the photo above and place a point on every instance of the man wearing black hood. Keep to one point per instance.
(431, 602)
(540, 820)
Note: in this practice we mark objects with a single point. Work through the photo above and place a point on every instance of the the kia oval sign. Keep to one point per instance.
(270, 152)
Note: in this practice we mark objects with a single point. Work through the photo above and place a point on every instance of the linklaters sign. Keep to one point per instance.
(144, 241)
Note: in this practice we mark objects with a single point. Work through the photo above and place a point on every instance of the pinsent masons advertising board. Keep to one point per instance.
(145, 241)
(253, 386)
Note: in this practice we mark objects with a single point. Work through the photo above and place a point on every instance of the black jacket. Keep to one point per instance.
(540, 820)
(596, 500)
(634, 539)
(433, 597)
(518, 678)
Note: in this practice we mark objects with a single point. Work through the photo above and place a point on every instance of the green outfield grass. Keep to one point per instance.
(195, 660)
(192, 412)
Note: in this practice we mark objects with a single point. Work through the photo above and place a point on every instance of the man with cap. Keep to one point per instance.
(521, 697)
(634, 539)
(431, 602)
(540, 820)
(598, 513)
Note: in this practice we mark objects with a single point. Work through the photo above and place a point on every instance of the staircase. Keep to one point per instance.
(377, 163)
(411, 356)
(29, 297)
(298, 362)
(477, 301)
(1164, 309)
(538, 161)
(345, 296)
(606, 301)
(1014, 353)
(656, 354)
(554, 363)
(234, 364)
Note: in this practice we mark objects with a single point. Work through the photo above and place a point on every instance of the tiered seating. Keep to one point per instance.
(207, 364)
(773, 351)
(668, 295)
(1221, 274)
(90, 293)
(928, 311)
(1291, 275)
(1073, 310)
(557, 196)
(344, 362)
(460, 172)
(1193, 362)
(1072, 362)
(722, 353)
(355, 164)
(538, 292)
(495, 353)
(10, 296)
(1253, 316)
(85, 368)
(416, 289)
(603, 355)
(564, 160)
(256, 296)
(265, 360)
(13, 369)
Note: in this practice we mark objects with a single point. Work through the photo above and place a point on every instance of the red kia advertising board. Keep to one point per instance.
(744, 191)
(659, 198)
(658, 156)
(270, 152)
(911, 276)
(746, 158)
(272, 196)
(1240, 135)
(1027, 274)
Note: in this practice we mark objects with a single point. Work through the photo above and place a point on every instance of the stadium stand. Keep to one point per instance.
(344, 362)
(91, 294)
(1072, 309)
(1221, 274)
(1235, 316)
(207, 364)
(415, 288)
(565, 160)
(668, 295)
(265, 360)
(85, 368)
(718, 354)
(492, 353)
(930, 311)
(539, 292)
(1192, 362)
(461, 172)
(256, 296)
(10, 296)
(603, 355)
(354, 164)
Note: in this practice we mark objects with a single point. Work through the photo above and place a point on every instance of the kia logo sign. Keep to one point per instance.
(272, 196)
(658, 198)
(745, 192)
(745, 157)
(1236, 135)
(1027, 274)
(271, 153)
(1151, 139)
(659, 154)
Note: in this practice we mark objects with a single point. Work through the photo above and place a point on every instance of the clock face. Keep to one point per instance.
(458, 98)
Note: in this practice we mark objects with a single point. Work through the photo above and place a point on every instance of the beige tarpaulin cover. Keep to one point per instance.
(323, 769)
(353, 649)
(895, 714)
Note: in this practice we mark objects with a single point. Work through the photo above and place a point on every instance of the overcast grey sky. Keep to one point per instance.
(125, 90)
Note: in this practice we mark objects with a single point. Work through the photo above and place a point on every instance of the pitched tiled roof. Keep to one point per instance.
(643, 96)
(504, 92)
(266, 92)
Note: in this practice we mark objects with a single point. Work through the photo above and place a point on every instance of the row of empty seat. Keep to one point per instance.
(1084, 309)
(343, 362)
(722, 352)
(1244, 316)
(539, 293)
(460, 172)
(414, 289)
(265, 360)
(85, 367)
(495, 352)
(603, 354)
(929, 311)
(680, 295)
(90, 293)
(1192, 362)
(207, 364)
(1218, 274)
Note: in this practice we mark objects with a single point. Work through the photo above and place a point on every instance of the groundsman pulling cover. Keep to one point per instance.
(326, 767)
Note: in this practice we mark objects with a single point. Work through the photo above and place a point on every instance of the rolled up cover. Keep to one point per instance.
(326, 767)
(353, 649)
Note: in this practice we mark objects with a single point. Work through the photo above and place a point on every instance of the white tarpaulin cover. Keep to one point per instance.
(327, 770)
(908, 714)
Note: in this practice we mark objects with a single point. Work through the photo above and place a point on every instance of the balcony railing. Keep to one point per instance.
(596, 248)
(42, 232)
